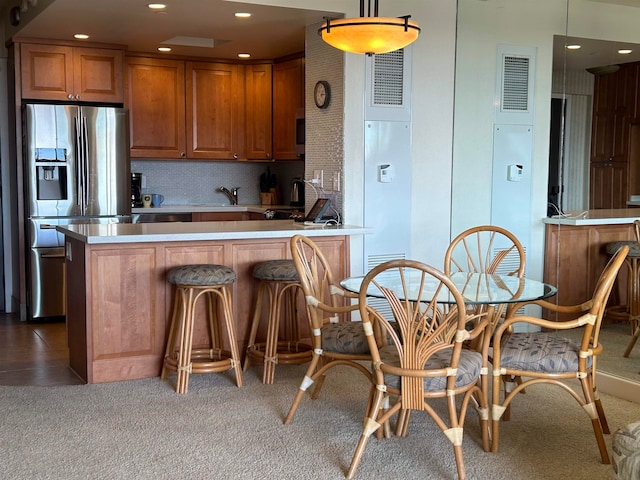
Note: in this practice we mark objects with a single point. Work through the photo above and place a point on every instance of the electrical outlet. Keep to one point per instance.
(318, 178)
(336, 181)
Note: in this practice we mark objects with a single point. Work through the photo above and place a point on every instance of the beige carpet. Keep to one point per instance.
(614, 338)
(144, 430)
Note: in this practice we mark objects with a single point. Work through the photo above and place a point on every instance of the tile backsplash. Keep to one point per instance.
(184, 182)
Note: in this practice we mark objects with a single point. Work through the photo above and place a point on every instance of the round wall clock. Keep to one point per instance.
(322, 94)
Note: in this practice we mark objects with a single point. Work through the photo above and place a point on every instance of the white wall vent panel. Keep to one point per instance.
(514, 86)
(388, 86)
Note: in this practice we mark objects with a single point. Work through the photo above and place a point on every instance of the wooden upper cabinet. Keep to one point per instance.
(228, 111)
(213, 113)
(614, 174)
(65, 73)
(288, 97)
(258, 108)
(613, 110)
(155, 98)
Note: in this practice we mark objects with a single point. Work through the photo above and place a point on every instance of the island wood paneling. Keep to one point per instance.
(575, 257)
(119, 301)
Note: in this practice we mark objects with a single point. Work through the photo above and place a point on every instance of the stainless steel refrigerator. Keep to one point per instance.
(77, 170)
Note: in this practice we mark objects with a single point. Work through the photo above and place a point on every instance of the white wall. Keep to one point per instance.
(482, 26)
(432, 120)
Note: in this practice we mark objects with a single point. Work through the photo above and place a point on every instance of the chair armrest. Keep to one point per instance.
(550, 324)
(583, 307)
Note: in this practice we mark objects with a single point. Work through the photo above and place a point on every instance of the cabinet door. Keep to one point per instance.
(46, 72)
(603, 118)
(288, 96)
(258, 108)
(608, 185)
(213, 115)
(155, 98)
(98, 75)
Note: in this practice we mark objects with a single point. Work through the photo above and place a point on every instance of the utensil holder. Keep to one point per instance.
(266, 198)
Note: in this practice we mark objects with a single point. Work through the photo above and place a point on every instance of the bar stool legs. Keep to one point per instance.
(183, 358)
(631, 311)
(279, 284)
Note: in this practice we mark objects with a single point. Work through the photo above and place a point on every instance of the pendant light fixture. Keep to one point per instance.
(369, 34)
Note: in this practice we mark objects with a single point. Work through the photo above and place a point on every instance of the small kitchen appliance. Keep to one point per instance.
(297, 192)
(136, 189)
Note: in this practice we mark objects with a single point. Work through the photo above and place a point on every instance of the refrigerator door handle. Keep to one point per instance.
(85, 160)
(79, 166)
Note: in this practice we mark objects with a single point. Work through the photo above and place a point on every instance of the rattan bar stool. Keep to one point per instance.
(193, 282)
(279, 281)
(631, 310)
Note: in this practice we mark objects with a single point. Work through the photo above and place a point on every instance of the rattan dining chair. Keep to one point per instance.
(424, 359)
(487, 249)
(547, 357)
(335, 339)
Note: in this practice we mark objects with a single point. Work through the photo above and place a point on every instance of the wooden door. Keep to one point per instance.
(288, 97)
(213, 114)
(46, 72)
(99, 75)
(155, 98)
(603, 118)
(258, 112)
(608, 185)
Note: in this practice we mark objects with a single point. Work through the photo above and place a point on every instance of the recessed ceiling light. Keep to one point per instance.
(81, 36)
(242, 14)
(164, 49)
(574, 47)
(156, 6)
(625, 51)
(244, 55)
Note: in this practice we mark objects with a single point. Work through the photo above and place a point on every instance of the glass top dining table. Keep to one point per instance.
(476, 288)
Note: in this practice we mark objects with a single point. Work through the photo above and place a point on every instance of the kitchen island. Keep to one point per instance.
(118, 299)
(575, 250)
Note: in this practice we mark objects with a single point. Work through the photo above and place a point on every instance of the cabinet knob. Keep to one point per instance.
(183, 154)
(268, 155)
(235, 156)
(70, 96)
(77, 97)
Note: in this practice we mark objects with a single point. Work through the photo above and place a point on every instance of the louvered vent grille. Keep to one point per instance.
(388, 78)
(515, 86)
(373, 261)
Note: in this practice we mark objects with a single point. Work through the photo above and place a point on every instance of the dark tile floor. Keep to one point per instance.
(34, 353)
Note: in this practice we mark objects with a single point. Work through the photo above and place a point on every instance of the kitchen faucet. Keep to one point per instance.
(231, 194)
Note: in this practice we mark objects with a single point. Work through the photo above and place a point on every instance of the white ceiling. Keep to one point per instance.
(270, 33)
(593, 53)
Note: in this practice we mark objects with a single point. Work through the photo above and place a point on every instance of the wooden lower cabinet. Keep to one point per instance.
(223, 216)
(119, 302)
(575, 257)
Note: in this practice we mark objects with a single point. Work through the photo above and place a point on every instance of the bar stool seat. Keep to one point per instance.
(278, 279)
(191, 283)
(631, 310)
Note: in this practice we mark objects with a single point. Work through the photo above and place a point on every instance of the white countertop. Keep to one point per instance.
(194, 231)
(595, 217)
(213, 208)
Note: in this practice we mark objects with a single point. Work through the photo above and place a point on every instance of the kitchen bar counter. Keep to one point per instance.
(119, 301)
(203, 231)
(619, 216)
(575, 251)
